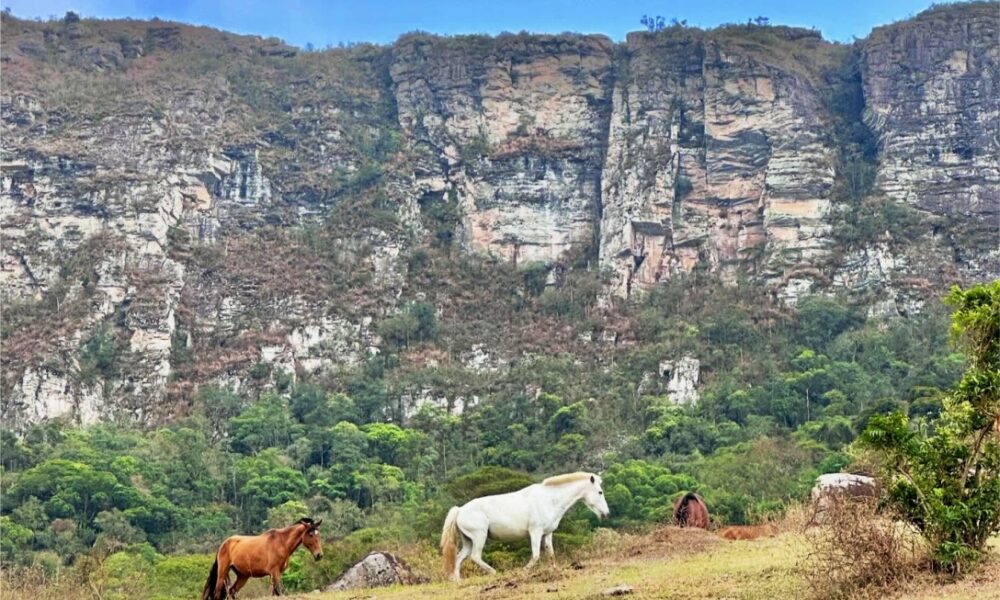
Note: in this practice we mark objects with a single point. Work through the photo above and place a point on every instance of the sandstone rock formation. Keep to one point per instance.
(513, 128)
(170, 192)
(682, 379)
(716, 157)
(931, 90)
(931, 98)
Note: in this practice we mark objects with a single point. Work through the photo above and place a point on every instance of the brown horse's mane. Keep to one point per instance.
(690, 511)
(303, 521)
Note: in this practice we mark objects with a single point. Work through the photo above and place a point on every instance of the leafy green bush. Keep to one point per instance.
(946, 480)
(821, 319)
(419, 260)
(180, 576)
(15, 542)
(263, 425)
(441, 215)
(123, 574)
(485, 481)
(287, 513)
(416, 323)
(641, 492)
(100, 356)
(535, 274)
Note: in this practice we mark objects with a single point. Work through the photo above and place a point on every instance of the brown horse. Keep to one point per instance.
(258, 556)
(690, 511)
(748, 532)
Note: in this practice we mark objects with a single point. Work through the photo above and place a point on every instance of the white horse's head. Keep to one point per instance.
(593, 497)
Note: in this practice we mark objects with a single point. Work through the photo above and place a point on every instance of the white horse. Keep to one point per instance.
(534, 511)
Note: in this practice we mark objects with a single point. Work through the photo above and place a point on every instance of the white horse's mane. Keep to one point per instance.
(567, 478)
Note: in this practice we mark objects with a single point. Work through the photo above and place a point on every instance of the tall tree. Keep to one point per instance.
(947, 482)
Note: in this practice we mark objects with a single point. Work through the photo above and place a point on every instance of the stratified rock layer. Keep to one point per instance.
(716, 157)
(166, 191)
(513, 128)
(932, 90)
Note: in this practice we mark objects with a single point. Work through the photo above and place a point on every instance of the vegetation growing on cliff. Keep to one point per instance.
(783, 393)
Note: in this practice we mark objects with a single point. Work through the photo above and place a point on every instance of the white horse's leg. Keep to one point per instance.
(462, 555)
(548, 545)
(478, 542)
(536, 542)
(476, 526)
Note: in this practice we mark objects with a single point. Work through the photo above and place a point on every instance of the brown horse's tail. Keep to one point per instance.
(682, 509)
(213, 578)
(449, 540)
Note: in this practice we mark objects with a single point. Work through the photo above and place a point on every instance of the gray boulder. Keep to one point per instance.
(837, 487)
(378, 569)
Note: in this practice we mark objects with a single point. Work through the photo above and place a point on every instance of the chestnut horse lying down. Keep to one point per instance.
(748, 532)
(259, 555)
(690, 511)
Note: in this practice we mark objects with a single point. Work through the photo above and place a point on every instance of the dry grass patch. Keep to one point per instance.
(861, 553)
(668, 562)
(981, 584)
(669, 542)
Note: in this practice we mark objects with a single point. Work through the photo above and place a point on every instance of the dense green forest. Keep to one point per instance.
(783, 392)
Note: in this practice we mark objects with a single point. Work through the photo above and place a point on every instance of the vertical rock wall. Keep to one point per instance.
(677, 151)
(513, 128)
(716, 158)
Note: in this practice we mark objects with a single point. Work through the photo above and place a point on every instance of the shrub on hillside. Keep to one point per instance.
(860, 552)
(945, 479)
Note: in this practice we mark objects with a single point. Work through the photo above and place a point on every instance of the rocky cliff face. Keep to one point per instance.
(932, 90)
(128, 177)
(717, 157)
(513, 128)
(169, 192)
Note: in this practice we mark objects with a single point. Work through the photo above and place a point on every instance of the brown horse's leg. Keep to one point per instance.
(276, 583)
(241, 580)
(222, 583)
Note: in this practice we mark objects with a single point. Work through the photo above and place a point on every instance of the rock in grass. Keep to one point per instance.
(378, 569)
(618, 590)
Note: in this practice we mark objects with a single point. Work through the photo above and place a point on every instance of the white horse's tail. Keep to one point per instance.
(449, 540)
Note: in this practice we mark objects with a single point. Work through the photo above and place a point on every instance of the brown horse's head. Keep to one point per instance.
(310, 539)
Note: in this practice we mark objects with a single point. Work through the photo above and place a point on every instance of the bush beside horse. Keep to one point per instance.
(261, 555)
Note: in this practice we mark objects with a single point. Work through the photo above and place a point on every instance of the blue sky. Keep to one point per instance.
(382, 21)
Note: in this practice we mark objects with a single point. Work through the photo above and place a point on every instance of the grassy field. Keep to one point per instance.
(673, 563)
(667, 562)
